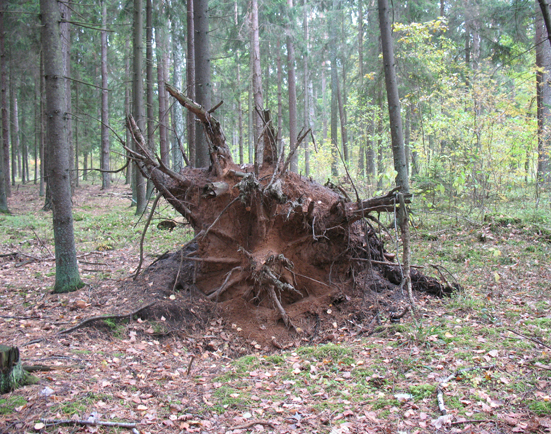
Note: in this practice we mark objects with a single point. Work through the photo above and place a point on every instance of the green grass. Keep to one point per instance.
(8, 405)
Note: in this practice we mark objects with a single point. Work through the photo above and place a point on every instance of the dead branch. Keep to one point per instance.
(147, 223)
(293, 150)
(530, 339)
(253, 423)
(104, 317)
(93, 422)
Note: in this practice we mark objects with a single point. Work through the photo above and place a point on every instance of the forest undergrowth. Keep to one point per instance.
(484, 351)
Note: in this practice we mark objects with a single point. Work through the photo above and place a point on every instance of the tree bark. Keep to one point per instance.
(203, 86)
(177, 115)
(162, 73)
(65, 10)
(279, 98)
(137, 96)
(14, 132)
(105, 145)
(190, 79)
(149, 88)
(257, 87)
(393, 98)
(127, 90)
(59, 179)
(5, 189)
(543, 92)
(334, 92)
(291, 82)
(239, 113)
(342, 117)
(308, 99)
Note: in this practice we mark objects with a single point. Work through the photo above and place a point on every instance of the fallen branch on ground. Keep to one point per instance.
(53, 422)
(253, 423)
(530, 339)
(104, 317)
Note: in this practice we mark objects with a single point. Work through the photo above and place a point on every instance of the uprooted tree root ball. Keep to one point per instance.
(273, 250)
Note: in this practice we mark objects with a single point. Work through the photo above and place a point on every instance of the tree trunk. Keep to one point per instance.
(239, 113)
(279, 98)
(393, 99)
(177, 115)
(42, 140)
(137, 95)
(190, 79)
(105, 146)
(334, 93)
(257, 87)
(14, 132)
(129, 175)
(291, 82)
(342, 117)
(162, 73)
(59, 179)
(77, 148)
(308, 100)
(543, 92)
(65, 10)
(203, 86)
(149, 88)
(397, 136)
(5, 189)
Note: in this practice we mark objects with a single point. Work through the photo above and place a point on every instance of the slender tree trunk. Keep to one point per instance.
(364, 137)
(160, 40)
(4, 109)
(393, 99)
(65, 10)
(129, 176)
(279, 97)
(291, 82)
(77, 149)
(137, 94)
(342, 117)
(308, 101)
(36, 125)
(85, 166)
(67, 274)
(334, 92)
(397, 136)
(42, 139)
(380, 132)
(324, 100)
(190, 78)
(257, 86)
(543, 64)
(149, 88)
(14, 132)
(105, 145)
(239, 112)
(177, 113)
(5, 189)
(203, 86)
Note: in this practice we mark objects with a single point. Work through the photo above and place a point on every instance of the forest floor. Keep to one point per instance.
(487, 349)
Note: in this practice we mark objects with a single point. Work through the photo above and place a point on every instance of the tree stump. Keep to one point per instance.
(12, 374)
